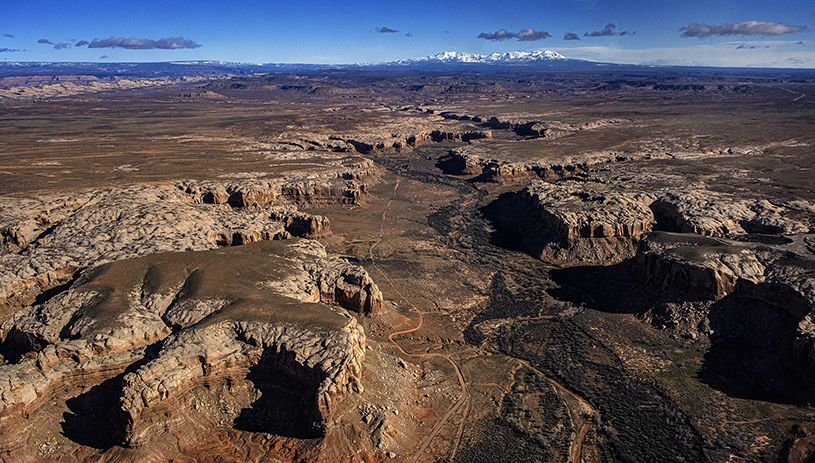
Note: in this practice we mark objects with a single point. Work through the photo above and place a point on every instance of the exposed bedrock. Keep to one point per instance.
(343, 185)
(395, 136)
(302, 224)
(583, 221)
(533, 126)
(709, 269)
(718, 245)
(332, 362)
(212, 315)
(586, 218)
(700, 267)
(398, 142)
(478, 160)
(714, 214)
(46, 241)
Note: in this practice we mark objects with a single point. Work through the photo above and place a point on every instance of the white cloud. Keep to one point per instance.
(765, 28)
(780, 54)
(132, 43)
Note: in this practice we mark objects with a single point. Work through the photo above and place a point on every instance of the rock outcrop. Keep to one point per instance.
(592, 218)
(709, 269)
(535, 128)
(108, 225)
(36, 87)
(480, 160)
(700, 246)
(713, 214)
(588, 221)
(397, 134)
(214, 314)
(531, 125)
(45, 241)
(697, 266)
(343, 184)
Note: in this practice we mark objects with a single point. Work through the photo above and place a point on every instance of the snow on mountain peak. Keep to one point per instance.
(512, 57)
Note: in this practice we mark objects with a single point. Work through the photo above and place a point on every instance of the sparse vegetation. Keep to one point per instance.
(559, 360)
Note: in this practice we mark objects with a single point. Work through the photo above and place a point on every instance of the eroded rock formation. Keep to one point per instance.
(584, 214)
(343, 184)
(697, 266)
(699, 245)
(45, 241)
(213, 316)
(713, 214)
(588, 221)
(480, 160)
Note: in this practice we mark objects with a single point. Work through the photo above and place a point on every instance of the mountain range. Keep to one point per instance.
(449, 61)
(455, 57)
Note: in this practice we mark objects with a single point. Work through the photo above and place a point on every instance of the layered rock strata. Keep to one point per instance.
(709, 213)
(708, 269)
(332, 361)
(718, 245)
(699, 267)
(530, 125)
(400, 135)
(588, 221)
(215, 314)
(589, 218)
(343, 184)
(35, 87)
(479, 160)
(45, 241)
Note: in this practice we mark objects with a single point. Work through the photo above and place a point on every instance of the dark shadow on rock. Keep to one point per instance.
(663, 220)
(617, 288)
(516, 225)
(751, 354)
(17, 346)
(288, 401)
(48, 294)
(94, 419)
(451, 165)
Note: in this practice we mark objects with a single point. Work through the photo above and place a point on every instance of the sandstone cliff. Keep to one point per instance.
(214, 315)
(45, 241)
(588, 221)
(698, 245)
(480, 160)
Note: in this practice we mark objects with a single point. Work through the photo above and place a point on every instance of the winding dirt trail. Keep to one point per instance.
(580, 409)
(464, 394)
(801, 95)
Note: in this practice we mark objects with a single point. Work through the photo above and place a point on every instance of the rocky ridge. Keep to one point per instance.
(698, 243)
(585, 221)
(113, 313)
(592, 207)
(36, 87)
(45, 241)
(530, 125)
(400, 135)
(479, 160)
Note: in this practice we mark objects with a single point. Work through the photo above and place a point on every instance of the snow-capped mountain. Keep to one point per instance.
(455, 57)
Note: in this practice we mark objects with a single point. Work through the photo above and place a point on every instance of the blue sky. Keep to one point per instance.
(766, 33)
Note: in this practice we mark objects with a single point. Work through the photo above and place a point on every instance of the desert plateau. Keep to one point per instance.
(527, 264)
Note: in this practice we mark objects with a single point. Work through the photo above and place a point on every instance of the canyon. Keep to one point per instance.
(396, 265)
